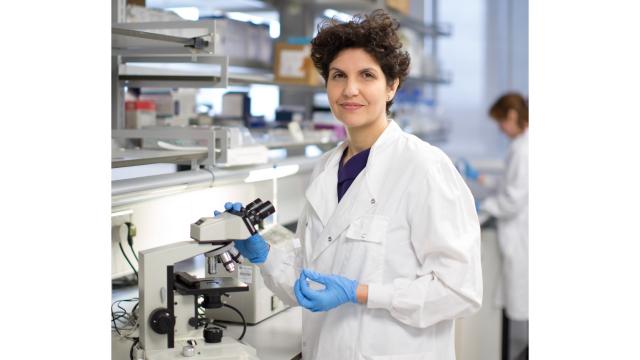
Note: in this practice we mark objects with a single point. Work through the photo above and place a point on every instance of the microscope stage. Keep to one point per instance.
(188, 285)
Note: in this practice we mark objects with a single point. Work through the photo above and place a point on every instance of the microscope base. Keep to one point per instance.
(226, 350)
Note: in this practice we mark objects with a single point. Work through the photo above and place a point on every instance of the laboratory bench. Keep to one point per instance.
(276, 338)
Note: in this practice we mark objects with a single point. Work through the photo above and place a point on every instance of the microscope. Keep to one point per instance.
(171, 326)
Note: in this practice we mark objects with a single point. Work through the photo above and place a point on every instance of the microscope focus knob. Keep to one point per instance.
(161, 321)
(212, 335)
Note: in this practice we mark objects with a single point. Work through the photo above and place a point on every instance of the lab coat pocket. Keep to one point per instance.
(365, 246)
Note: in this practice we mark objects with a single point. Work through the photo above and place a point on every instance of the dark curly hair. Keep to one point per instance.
(375, 33)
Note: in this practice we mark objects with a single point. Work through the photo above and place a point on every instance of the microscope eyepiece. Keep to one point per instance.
(257, 211)
(253, 204)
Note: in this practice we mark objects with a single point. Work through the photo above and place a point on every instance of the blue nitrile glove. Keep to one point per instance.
(477, 206)
(254, 248)
(338, 290)
(467, 170)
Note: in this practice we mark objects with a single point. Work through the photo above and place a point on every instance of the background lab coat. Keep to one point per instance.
(510, 206)
(408, 228)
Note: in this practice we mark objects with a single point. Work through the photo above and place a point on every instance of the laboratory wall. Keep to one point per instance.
(488, 56)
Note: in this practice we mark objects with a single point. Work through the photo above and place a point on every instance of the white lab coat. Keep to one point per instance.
(407, 227)
(510, 206)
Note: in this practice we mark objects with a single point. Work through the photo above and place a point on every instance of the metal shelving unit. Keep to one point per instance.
(172, 79)
(155, 42)
(428, 28)
(200, 64)
(432, 29)
(201, 49)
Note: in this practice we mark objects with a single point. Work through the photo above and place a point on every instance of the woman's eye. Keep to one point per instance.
(368, 75)
(337, 76)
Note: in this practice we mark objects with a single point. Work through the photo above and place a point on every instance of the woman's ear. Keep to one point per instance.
(392, 89)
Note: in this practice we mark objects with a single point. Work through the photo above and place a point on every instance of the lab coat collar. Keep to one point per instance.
(376, 167)
(520, 141)
(358, 200)
(325, 203)
(322, 194)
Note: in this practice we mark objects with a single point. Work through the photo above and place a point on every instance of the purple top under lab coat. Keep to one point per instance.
(350, 170)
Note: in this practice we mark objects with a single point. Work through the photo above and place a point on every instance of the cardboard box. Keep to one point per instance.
(136, 2)
(401, 6)
(293, 65)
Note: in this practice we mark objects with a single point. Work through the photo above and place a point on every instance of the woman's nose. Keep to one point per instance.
(351, 88)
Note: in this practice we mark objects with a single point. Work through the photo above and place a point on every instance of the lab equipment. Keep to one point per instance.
(259, 303)
(236, 105)
(253, 248)
(139, 114)
(337, 291)
(234, 146)
(288, 113)
(170, 301)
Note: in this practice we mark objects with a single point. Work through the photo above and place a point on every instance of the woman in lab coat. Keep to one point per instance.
(510, 206)
(389, 251)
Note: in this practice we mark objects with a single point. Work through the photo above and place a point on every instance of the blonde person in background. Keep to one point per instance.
(510, 206)
(389, 249)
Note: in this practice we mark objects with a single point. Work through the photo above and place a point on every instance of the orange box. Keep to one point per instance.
(293, 65)
(401, 6)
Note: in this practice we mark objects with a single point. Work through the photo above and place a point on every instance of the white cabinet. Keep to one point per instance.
(478, 337)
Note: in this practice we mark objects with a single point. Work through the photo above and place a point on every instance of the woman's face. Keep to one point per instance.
(509, 125)
(357, 89)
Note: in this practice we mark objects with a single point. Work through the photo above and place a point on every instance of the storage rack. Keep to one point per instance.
(302, 24)
(135, 44)
(291, 26)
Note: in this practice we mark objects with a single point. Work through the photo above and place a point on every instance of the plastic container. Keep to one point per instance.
(139, 114)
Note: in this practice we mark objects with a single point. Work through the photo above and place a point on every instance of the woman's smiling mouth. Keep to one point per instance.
(351, 106)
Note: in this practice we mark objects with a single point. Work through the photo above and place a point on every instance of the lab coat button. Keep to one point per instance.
(373, 201)
(363, 236)
(329, 238)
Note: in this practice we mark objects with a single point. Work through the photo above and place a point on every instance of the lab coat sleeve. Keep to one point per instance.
(513, 195)
(282, 268)
(445, 235)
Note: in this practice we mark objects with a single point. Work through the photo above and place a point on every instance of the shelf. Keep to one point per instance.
(176, 75)
(197, 76)
(433, 30)
(175, 37)
(134, 157)
(177, 43)
(206, 81)
(443, 79)
(268, 79)
(140, 76)
(192, 43)
(272, 139)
